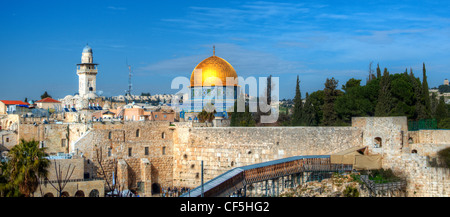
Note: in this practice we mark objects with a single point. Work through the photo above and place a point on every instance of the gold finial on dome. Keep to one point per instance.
(214, 50)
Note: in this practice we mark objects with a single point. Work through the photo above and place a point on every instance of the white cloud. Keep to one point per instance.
(116, 8)
(246, 62)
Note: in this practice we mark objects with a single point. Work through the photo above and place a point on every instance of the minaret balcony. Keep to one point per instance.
(93, 71)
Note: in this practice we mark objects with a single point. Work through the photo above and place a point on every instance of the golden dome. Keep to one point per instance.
(213, 68)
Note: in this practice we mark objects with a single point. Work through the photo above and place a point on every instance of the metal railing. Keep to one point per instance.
(239, 178)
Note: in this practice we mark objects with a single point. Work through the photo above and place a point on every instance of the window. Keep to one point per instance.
(137, 133)
(164, 150)
(146, 150)
(109, 152)
(7, 139)
(63, 142)
(378, 142)
(109, 135)
(129, 152)
(163, 135)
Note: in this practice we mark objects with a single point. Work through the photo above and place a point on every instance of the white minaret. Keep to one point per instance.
(87, 74)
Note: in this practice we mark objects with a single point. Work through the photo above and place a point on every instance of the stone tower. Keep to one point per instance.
(87, 74)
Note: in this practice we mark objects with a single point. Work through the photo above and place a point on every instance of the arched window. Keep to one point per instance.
(137, 133)
(163, 135)
(109, 135)
(414, 151)
(94, 193)
(378, 142)
(410, 140)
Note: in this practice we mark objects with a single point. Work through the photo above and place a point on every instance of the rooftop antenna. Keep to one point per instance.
(129, 79)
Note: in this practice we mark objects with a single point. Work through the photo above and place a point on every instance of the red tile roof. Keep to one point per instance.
(48, 99)
(14, 102)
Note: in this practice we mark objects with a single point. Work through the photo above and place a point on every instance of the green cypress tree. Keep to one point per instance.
(378, 71)
(384, 104)
(298, 106)
(45, 95)
(330, 94)
(426, 94)
(419, 108)
(309, 116)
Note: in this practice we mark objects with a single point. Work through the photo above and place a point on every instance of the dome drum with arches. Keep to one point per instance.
(209, 86)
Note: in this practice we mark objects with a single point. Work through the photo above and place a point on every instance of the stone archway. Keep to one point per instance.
(94, 193)
(79, 193)
(156, 188)
(49, 194)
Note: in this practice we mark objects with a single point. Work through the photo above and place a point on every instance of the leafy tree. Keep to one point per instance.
(308, 116)
(444, 88)
(402, 92)
(434, 103)
(441, 110)
(384, 104)
(145, 94)
(205, 116)
(330, 96)
(351, 83)
(242, 119)
(354, 102)
(351, 192)
(444, 123)
(317, 101)
(45, 95)
(298, 106)
(444, 157)
(26, 165)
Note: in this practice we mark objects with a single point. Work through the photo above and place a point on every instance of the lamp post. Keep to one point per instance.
(202, 180)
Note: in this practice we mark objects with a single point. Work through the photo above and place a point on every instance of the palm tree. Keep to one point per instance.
(26, 165)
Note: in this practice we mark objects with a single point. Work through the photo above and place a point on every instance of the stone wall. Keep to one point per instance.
(148, 155)
(408, 153)
(8, 139)
(222, 149)
(55, 137)
(131, 144)
(66, 166)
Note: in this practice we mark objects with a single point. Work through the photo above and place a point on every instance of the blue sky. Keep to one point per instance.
(42, 41)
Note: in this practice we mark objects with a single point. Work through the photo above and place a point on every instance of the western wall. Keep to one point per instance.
(148, 155)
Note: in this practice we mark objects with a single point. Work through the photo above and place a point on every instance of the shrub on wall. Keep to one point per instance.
(444, 157)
